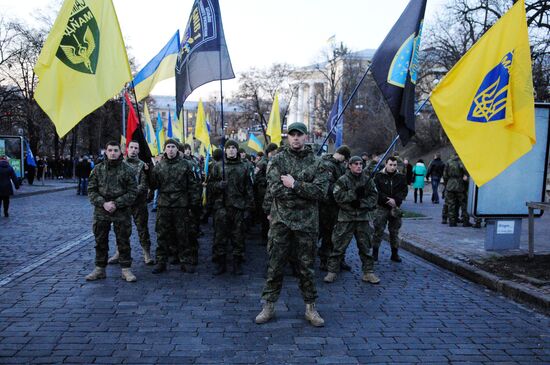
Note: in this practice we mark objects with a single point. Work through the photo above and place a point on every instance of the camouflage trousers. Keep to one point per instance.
(171, 228)
(194, 228)
(228, 226)
(382, 217)
(141, 220)
(328, 215)
(453, 202)
(123, 229)
(284, 243)
(342, 236)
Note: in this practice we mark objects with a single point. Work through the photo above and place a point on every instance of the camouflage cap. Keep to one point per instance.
(297, 126)
(355, 159)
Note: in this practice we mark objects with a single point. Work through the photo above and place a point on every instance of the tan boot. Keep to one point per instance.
(127, 275)
(113, 260)
(98, 273)
(267, 313)
(330, 277)
(313, 317)
(147, 257)
(370, 277)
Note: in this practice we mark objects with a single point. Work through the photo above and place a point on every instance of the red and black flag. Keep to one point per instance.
(135, 133)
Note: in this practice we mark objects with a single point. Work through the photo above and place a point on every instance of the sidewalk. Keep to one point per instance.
(457, 248)
(44, 187)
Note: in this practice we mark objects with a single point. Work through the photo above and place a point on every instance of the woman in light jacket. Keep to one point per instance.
(419, 173)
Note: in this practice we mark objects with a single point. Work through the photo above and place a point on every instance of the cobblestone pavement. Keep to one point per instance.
(418, 314)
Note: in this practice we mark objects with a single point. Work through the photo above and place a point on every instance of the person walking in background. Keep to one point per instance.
(408, 172)
(8, 180)
(435, 172)
(419, 172)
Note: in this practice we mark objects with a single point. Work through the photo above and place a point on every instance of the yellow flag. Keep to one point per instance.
(201, 129)
(485, 103)
(189, 140)
(274, 124)
(150, 134)
(83, 62)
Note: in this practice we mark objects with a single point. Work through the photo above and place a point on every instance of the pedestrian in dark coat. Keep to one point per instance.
(7, 178)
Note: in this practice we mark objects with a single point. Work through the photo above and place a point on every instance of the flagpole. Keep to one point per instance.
(139, 120)
(221, 116)
(397, 137)
(341, 113)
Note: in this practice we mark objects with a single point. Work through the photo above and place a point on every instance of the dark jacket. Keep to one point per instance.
(408, 172)
(435, 170)
(356, 196)
(7, 176)
(390, 186)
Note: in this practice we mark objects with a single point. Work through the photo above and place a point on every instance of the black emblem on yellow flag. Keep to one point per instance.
(79, 47)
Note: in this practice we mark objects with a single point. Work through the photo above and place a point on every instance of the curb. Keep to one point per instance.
(30, 193)
(510, 289)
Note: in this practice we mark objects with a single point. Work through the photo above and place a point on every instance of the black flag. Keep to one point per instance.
(203, 55)
(395, 64)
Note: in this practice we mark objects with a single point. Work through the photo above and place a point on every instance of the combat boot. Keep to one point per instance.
(188, 268)
(375, 253)
(113, 260)
(371, 277)
(147, 258)
(237, 266)
(330, 277)
(159, 267)
(267, 313)
(323, 265)
(313, 317)
(395, 255)
(98, 273)
(127, 275)
(221, 267)
(466, 224)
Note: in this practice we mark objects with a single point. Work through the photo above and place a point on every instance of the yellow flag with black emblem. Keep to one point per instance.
(485, 103)
(83, 62)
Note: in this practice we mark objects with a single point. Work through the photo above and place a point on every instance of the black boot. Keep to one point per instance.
(443, 220)
(344, 266)
(220, 267)
(395, 256)
(237, 266)
(159, 267)
(323, 265)
(375, 253)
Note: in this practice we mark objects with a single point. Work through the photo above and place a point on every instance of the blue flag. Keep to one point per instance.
(169, 130)
(30, 157)
(203, 56)
(336, 132)
(395, 65)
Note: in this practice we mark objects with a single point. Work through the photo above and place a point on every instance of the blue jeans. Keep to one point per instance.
(435, 186)
(155, 199)
(82, 186)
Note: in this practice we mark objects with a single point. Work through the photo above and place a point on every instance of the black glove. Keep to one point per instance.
(356, 204)
(360, 191)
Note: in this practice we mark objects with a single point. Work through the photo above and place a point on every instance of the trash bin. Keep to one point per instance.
(503, 234)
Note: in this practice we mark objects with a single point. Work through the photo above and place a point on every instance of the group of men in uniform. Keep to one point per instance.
(297, 198)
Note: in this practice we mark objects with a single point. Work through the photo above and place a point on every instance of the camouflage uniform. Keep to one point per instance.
(294, 218)
(139, 209)
(195, 211)
(175, 180)
(369, 169)
(260, 186)
(356, 196)
(230, 204)
(388, 186)
(328, 208)
(455, 194)
(112, 181)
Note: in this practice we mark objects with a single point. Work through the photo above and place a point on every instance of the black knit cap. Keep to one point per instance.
(231, 142)
(241, 150)
(171, 141)
(344, 151)
(271, 147)
(217, 154)
(354, 159)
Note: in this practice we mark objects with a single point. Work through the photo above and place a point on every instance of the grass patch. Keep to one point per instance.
(408, 214)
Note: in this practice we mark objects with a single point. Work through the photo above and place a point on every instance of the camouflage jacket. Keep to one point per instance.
(354, 206)
(336, 169)
(112, 181)
(176, 183)
(453, 175)
(260, 178)
(390, 186)
(297, 207)
(142, 179)
(238, 192)
(250, 169)
(369, 169)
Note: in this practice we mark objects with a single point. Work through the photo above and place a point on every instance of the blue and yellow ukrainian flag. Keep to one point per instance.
(161, 67)
(160, 135)
(485, 103)
(254, 143)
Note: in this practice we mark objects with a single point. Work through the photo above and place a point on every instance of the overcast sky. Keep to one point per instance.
(258, 32)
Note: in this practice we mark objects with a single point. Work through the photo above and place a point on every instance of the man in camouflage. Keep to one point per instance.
(232, 194)
(112, 190)
(454, 178)
(139, 209)
(297, 180)
(392, 190)
(356, 196)
(260, 187)
(328, 208)
(175, 180)
(195, 210)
